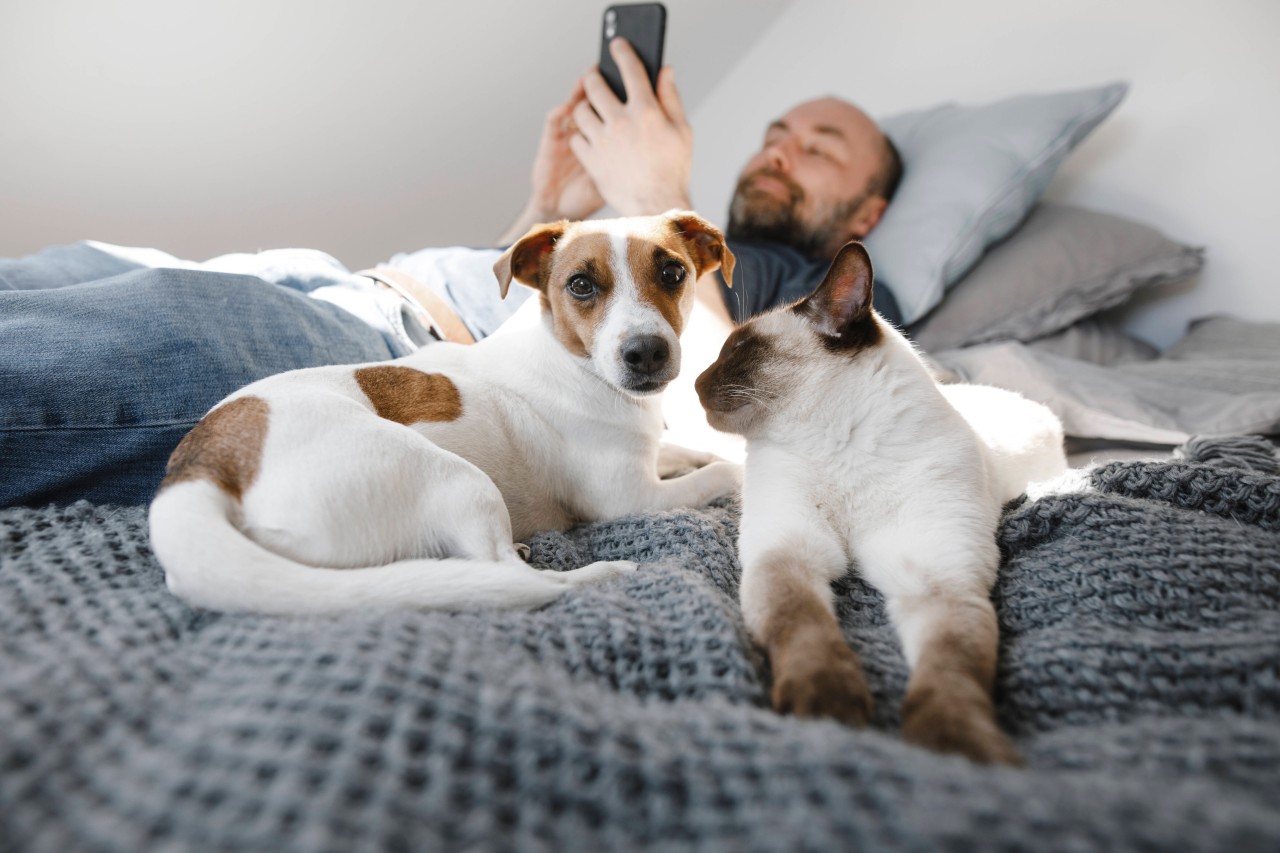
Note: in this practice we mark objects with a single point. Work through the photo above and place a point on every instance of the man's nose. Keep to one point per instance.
(776, 157)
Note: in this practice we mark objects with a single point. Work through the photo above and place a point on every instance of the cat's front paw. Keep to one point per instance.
(956, 716)
(826, 686)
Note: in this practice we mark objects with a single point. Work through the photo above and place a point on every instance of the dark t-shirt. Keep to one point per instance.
(767, 275)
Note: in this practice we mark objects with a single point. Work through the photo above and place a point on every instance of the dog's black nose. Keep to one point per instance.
(646, 354)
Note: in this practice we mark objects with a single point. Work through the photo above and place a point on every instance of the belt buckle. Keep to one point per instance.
(421, 314)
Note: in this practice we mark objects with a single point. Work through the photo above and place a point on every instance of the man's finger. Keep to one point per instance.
(589, 124)
(581, 149)
(634, 76)
(600, 96)
(557, 114)
(669, 96)
(558, 117)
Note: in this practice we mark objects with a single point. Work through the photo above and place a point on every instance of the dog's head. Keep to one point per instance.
(617, 292)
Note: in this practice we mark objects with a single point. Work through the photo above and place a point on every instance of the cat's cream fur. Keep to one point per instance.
(857, 458)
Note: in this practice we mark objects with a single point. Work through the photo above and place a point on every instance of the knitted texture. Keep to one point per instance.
(1139, 674)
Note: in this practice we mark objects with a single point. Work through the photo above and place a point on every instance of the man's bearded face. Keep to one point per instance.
(769, 206)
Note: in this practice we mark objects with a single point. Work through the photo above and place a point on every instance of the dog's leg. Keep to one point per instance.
(415, 499)
(696, 488)
(471, 516)
(597, 572)
(674, 460)
(468, 512)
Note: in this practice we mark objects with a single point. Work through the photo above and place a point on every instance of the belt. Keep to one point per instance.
(435, 315)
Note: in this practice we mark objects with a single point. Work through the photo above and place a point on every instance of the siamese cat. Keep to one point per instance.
(857, 459)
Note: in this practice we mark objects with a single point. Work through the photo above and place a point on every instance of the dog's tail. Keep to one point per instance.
(211, 563)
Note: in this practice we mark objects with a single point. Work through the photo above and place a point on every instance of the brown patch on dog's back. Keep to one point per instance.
(409, 396)
(225, 447)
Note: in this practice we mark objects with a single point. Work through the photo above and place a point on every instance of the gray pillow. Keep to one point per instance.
(971, 174)
(1097, 341)
(1064, 264)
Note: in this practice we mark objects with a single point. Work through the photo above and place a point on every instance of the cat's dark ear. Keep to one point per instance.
(840, 307)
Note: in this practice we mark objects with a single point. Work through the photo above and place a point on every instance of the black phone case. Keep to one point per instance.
(645, 26)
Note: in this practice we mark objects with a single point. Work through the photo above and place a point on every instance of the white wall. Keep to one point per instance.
(1193, 150)
(360, 127)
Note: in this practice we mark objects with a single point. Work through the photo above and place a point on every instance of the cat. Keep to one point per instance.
(857, 457)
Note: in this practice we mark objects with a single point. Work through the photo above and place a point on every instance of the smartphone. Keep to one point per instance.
(644, 25)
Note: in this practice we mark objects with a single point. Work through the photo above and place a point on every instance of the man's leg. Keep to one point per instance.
(99, 381)
(78, 263)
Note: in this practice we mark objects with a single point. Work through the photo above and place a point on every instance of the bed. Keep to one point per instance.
(1139, 674)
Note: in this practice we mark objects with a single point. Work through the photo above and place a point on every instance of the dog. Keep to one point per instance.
(410, 483)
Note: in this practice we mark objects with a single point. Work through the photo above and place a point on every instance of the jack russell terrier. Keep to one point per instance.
(407, 483)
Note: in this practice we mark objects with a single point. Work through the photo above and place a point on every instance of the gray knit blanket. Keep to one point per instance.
(1139, 674)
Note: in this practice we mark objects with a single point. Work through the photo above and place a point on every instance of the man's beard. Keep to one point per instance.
(758, 216)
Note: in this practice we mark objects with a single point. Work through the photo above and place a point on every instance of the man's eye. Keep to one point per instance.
(581, 287)
(818, 152)
(672, 274)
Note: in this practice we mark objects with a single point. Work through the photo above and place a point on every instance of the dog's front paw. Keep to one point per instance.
(674, 460)
(604, 570)
(728, 477)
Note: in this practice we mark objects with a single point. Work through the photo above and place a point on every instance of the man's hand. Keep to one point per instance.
(639, 154)
(562, 189)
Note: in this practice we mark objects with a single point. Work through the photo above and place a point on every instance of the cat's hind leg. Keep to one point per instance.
(948, 706)
(787, 604)
(949, 635)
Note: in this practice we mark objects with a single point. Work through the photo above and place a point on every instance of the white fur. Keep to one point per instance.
(627, 314)
(866, 464)
(350, 510)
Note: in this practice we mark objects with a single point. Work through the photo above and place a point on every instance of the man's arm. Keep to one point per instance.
(561, 187)
(595, 149)
(639, 154)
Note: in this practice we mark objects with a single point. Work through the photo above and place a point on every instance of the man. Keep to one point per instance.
(109, 356)
(823, 177)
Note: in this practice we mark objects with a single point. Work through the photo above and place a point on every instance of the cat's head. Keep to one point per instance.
(770, 361)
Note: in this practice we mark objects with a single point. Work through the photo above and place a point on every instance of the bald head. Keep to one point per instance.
(823, 177)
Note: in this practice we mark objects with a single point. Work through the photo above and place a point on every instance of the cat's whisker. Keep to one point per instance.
(751, 395)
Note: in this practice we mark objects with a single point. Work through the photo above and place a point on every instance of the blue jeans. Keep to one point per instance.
(109, 356)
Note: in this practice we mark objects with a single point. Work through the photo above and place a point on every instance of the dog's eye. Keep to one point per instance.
(581, 287)
(672, 274)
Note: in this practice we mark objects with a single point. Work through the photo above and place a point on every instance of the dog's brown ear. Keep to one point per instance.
(523, 261)
(705, 242)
